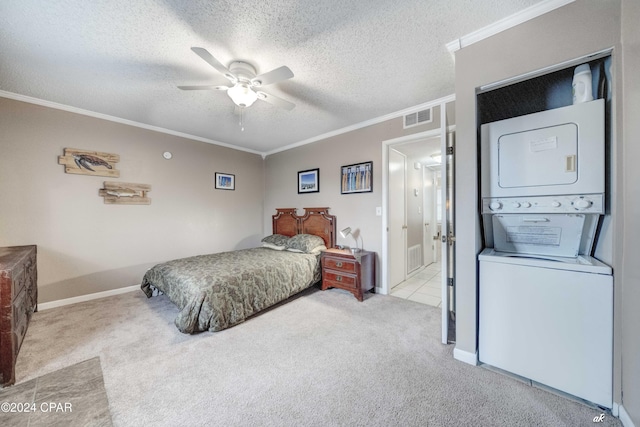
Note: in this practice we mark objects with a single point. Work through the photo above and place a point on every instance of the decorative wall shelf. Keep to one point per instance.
(125, 193)
(84, 162)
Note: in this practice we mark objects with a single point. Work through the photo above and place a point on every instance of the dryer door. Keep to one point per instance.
(539, 157)
(543, 234)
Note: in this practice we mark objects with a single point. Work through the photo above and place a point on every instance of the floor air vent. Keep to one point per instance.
(417, 118)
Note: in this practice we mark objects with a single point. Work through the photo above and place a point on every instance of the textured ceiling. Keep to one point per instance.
(353, 60)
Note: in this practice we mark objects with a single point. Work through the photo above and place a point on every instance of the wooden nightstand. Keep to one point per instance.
(352, 272)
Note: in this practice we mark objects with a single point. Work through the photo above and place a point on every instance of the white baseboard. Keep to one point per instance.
(465, 356)
(624, 417)
(89, 297)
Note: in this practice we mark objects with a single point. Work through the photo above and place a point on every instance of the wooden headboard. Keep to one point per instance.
(315, 221)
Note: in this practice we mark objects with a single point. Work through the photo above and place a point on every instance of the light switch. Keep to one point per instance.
(379, 211)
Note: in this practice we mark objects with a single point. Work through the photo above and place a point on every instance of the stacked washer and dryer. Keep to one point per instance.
(545, 304)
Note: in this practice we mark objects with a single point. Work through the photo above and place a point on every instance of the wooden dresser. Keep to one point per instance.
(352, 272)
(18, 301)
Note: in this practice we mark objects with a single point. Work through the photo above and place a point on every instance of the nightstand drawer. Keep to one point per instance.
(340, 264)
(337, 279)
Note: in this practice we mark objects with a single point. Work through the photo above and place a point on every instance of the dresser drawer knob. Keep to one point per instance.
(338, 264)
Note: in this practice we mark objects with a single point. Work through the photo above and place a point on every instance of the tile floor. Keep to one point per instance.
(424, 287)
(71, 396)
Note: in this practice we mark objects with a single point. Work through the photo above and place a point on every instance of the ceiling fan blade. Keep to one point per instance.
(273, 76)
(204, 54)
(274, 100)
(208, 87)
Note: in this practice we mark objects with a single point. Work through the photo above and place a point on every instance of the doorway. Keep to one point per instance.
(414, 171)
(414, 221)
(431, 234)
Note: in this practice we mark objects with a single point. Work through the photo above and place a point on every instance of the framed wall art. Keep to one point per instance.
(357, 178)
(225, 181)
(85, 162)
(125, 193)
(309, 181)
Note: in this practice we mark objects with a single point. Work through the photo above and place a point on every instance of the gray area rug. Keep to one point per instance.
(72, 396)
(321, 359)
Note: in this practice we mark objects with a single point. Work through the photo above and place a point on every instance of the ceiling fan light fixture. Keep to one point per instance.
(242, 95)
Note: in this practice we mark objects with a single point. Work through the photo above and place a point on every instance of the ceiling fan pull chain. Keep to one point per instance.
(241, 127)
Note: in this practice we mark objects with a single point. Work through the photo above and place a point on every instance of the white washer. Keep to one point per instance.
(549, 321)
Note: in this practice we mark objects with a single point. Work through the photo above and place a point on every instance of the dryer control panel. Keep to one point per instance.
(575, 203)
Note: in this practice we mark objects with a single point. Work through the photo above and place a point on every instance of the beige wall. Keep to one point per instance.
(630, 204)
(575, 30)
(357, 211)
(85, 246)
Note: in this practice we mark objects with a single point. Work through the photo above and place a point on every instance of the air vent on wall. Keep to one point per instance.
(417, 118)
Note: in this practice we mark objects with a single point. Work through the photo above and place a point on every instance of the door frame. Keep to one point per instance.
(443, 131)
(384, 267)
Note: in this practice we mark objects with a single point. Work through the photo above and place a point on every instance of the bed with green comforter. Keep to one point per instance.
(216, 291)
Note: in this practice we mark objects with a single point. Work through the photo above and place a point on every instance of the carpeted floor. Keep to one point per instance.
(321, 359)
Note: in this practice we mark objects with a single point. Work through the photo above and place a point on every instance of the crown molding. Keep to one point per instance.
(506, 23)
(366, 123)
(57, 106)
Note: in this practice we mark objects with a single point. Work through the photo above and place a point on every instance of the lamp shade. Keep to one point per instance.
(345, 232)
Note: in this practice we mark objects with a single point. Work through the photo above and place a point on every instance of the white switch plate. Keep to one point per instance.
(379, 211)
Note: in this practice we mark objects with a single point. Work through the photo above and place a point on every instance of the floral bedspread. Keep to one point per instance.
(216, 291)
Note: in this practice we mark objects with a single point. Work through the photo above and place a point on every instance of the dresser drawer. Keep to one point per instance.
(340, 264)
(19, 282)
(20, 318)
(338, 279)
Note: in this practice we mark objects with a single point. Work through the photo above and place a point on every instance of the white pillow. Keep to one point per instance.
(272, 246)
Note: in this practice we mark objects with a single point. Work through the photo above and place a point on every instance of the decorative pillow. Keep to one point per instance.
(307, 243)
(276, 240)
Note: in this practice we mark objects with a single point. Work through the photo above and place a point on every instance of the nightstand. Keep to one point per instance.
(354, 272)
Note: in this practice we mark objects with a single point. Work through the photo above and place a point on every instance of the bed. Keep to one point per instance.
(217, 291)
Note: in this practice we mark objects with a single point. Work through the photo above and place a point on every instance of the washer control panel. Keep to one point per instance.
(587, 203)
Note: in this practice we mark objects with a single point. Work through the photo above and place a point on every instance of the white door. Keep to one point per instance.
(397, 224)
(428, 216)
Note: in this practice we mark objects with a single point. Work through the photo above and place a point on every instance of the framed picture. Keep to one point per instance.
(356, 178)
(309, 181)
(225, 181)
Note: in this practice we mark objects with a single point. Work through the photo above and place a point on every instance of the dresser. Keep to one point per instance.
(18, 301)
(354, 272)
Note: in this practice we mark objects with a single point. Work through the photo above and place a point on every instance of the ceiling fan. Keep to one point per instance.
(244, 90)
